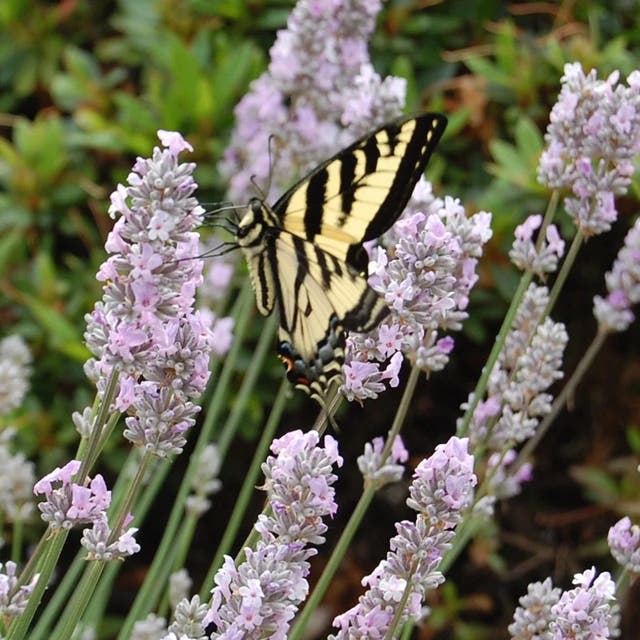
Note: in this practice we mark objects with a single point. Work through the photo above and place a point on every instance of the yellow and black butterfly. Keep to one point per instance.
(305, 252)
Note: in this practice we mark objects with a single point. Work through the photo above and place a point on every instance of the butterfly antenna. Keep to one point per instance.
(220, 250)
(257, 187)
(271, 155)
(229, 207)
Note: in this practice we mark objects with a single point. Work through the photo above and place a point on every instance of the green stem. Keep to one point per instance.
(356, 517)
(525, 280)
(134, 488)
(95, 609)
(298, 629)
(567, 264)
(401, 413)
(78, 603)
(548, 217)
(265, 344)
(400, 606)
(59, 598)
(247, 489)
(93, 446)
(48, 561)
(464, 532)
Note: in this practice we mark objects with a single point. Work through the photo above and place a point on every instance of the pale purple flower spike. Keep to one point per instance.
(442, 489)
(145, 326)
(259, 597)
(592, 140)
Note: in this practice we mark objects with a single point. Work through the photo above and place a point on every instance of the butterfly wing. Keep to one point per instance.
(305, 253)
(360, 192)
(318, 296)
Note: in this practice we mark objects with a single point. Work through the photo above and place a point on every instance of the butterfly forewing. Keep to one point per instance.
(360, 192)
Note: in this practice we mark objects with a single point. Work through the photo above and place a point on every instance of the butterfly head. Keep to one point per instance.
(250, 229)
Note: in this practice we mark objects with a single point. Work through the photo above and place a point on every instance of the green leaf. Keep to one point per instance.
(489, 71)
(529, 139)
(510, 163)
(10, 245)
(62, 335)
(633, 438)
(42, 145)
(232, 76)
(600, 486)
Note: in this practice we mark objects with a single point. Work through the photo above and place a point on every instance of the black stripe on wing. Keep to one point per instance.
(424, 138)
(353, 168)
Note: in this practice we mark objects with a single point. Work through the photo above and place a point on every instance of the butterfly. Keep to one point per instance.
(305, 253)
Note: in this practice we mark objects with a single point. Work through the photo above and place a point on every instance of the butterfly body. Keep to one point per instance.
(306, 256)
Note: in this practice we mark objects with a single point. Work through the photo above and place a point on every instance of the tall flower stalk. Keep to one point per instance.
(151, 354)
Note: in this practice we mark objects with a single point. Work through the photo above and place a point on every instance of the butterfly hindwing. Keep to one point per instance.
(306, 256)
(325, 297)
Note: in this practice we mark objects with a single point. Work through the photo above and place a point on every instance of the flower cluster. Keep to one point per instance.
(15, 359)
(102, 544)
(587, 612)
(17, 477)
(441, 490)
(624, 542)
(521, 385)
(145, 327)
(319, 94)
(592, 139)
(189, 618)
(14, 598)
(377, 471)
(68, 503)
(259, 597)
(529, 363)
(526, 256)
(205, 481)
(425, 276)
(531, 619)
(613, 313)
(151, 628)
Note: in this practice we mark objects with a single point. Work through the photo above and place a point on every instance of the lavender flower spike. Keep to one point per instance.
(425, 276)
(258, 598)
(624, 542)
(592, 139)
(15, 361)
(319, 94)
(613, 313)
(442, 489)
(371, 464)
(17, 477)
(99, 545)
(586, 612)
(68, 503)
(524, 253)
(145, 326)
(531, 619)
(13, 599)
